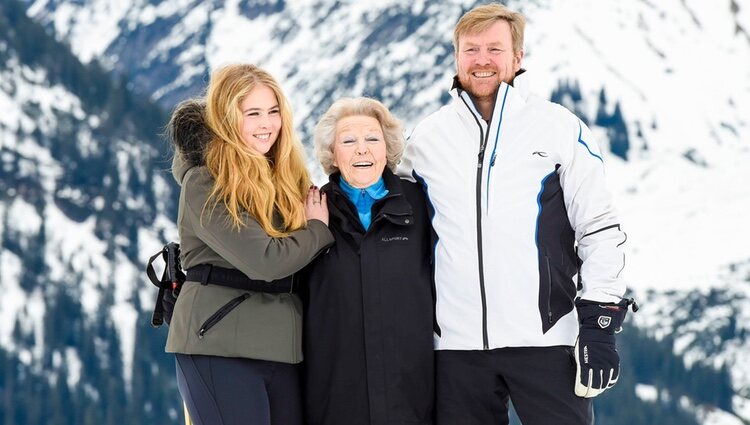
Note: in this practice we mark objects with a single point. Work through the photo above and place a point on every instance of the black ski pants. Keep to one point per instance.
(236, 391)
(473, 387)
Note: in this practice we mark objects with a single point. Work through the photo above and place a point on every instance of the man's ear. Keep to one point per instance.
(518, 58)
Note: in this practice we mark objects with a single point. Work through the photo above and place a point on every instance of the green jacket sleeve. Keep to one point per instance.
(251, 250)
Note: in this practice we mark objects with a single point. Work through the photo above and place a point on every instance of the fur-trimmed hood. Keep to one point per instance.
(189, 135)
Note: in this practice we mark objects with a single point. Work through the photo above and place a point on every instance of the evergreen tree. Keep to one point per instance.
(568, 94)
(8, 388)
(619, 141)
(614, 123)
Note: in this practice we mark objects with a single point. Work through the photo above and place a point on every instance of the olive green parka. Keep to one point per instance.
(250, 324)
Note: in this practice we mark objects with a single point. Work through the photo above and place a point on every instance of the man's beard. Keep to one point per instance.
(480, 91)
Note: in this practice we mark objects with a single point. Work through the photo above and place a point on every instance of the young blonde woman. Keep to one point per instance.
(248, 220)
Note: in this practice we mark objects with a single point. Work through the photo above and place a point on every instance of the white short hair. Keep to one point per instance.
(325, 130)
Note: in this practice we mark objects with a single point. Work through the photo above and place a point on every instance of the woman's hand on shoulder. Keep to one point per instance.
(316, 207)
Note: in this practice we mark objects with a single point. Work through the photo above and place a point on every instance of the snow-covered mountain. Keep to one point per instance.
(82, 199)
(665, 84)
(707, 326)
(678, 69)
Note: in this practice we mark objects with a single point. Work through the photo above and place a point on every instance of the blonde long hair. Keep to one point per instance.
(246, 180)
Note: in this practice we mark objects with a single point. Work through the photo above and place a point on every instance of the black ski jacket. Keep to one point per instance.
(368, 340)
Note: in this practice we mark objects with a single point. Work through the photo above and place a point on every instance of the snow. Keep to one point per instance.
(74, 365)
(725, 310)
(56, 359)
(678, 69)
(682, 230)
(29, 88)
(25, 357)
(196, 17)
(78, 21)
(741, 406)
(647, 392)
(11, 116)
(14, 297)
(161, 191)
(683, 221)
(709, 415)
(86, 143)
(123, 313)
(36, 307)
(74, 250)
(682, 342)
(24, 218)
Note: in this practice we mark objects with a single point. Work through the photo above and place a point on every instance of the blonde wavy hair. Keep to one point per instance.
(245, 180)
(325, 131)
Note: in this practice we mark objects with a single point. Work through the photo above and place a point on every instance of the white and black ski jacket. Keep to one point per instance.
(523, 217)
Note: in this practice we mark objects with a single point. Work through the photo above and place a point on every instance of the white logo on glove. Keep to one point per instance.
(604, 321)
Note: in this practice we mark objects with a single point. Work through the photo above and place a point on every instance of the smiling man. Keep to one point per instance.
(528, 262)
(486, 58)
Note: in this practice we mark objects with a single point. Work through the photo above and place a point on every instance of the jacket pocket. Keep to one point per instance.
(221, 313)
(556, 292)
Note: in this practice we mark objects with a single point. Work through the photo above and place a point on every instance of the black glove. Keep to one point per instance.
(597, 361)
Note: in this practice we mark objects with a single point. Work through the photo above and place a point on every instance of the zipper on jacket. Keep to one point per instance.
(480, 164)
(549, 291)
(494, 148)
(221, 313)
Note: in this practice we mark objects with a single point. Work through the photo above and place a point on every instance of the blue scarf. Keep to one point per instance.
(364, 198)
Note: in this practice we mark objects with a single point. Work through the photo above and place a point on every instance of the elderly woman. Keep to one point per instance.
(369, 307)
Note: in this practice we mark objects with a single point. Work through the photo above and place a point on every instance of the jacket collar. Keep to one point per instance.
(393, 207)
(508, 98)
(180, 167)
(375, 191)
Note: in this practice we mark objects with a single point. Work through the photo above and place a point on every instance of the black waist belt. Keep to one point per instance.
(207, 274)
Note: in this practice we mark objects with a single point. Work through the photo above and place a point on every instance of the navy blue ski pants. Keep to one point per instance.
(234, 391)
(473, 387)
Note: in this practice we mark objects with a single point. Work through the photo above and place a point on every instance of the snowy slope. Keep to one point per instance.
(679, 70)
(717, 335)
(35, 212)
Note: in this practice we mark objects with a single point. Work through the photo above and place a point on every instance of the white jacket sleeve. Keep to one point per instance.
(405, 168)
(593, 218)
